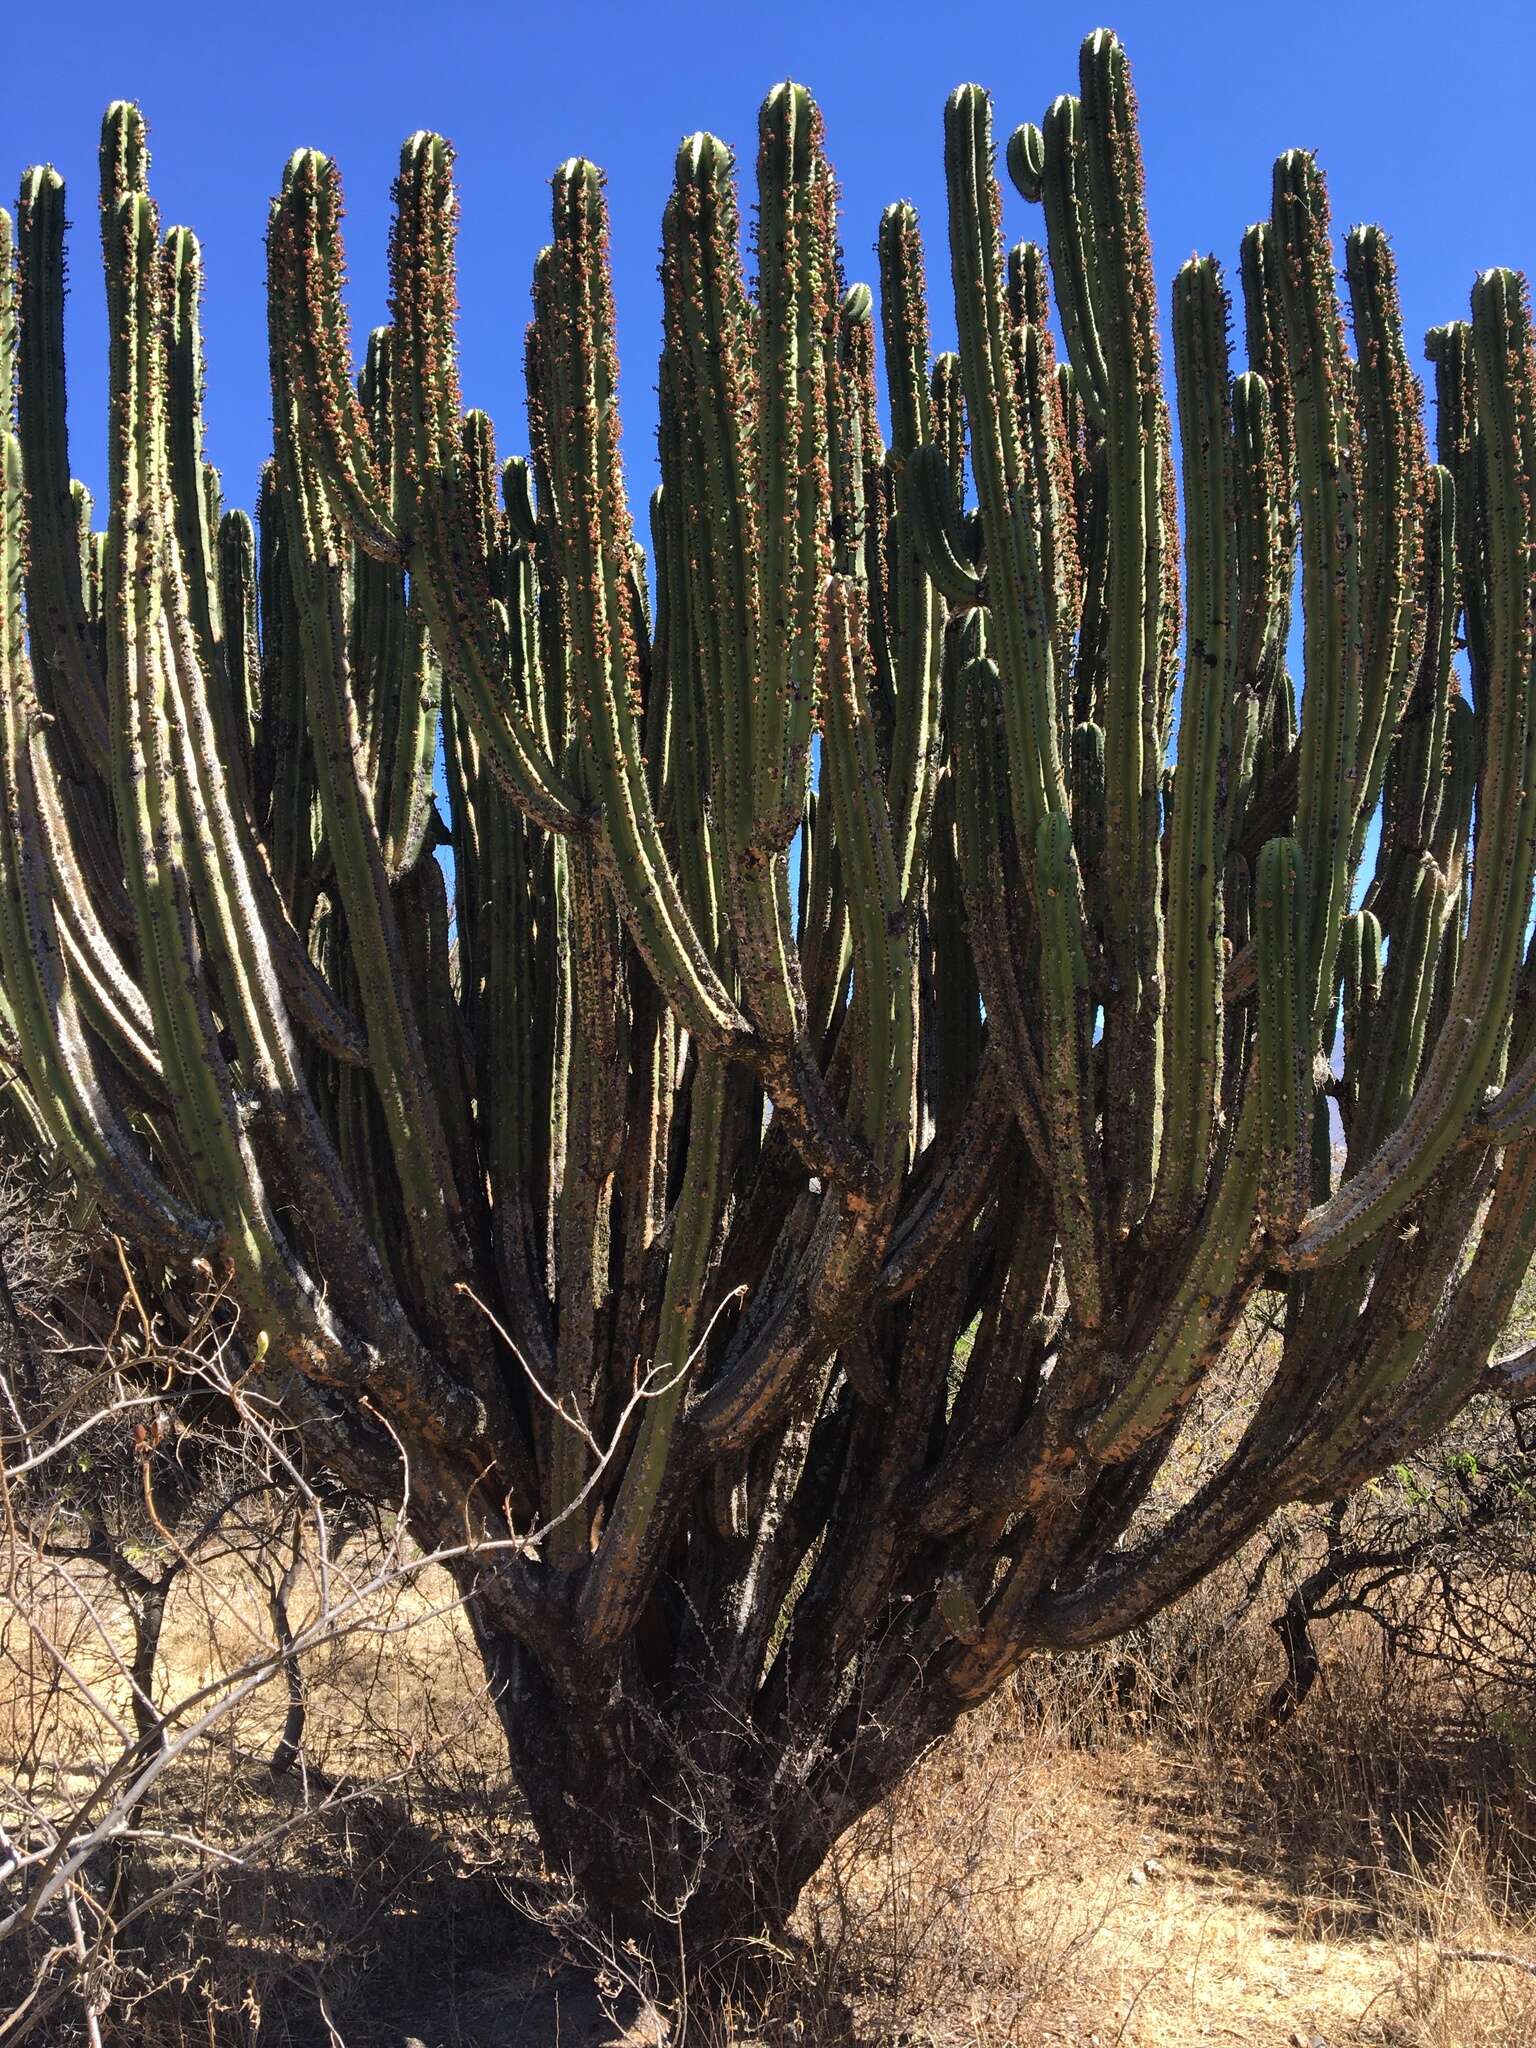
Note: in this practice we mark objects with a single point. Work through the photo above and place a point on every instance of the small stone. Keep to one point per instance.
(1155, 1867)
(1136, 1877)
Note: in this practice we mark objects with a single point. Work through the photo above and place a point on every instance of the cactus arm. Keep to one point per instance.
(1059, 184)
(926, 496)
(1468, 1045)
(8, 296)
(1450, 349)
(997, 458)
(688, 762)
(594, 541)
(981, 817)
(1095, 220)
(1326, 460)
(108, 994)
(1360, 976)
(408, 814)
(881, 939)
(55, 592)
(620, 1574)
(447, 564)
(797, 297)
(396, 1054)
(309, 330)
(1258, 622)
(1068, 1071)
(1049, 457)
(713, 342)
(236, 554)
(904, 328)
(1393, 487)
(187, 475)
(1193, 957)
(1398, 1035)
(594, 1137)
(1214, 1286)
(64, 1084)
(1284, 1051)
(1415, 789)
(915, 627)
(306, 265)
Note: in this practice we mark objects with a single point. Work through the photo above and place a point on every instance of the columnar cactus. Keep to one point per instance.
(772, 1070)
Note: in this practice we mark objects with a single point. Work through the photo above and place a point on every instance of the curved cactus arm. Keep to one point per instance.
(1192, 1023)
(397, 1055)
(56, 599)
(141, 664)
(1214, 1288)
(260, 926)
(64, 1083)
(230, 915)
(1469, 1045)
(926, 494)
(107, 992)
(1479, 1308)
(1399, 1032)
(1381, 1378)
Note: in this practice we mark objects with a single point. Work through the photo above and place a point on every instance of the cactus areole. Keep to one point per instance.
(924, 947)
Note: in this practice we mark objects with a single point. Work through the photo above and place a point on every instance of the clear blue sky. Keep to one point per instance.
(1421, 115)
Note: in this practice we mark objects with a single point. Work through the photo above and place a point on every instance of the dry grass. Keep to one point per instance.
(1074, 1866)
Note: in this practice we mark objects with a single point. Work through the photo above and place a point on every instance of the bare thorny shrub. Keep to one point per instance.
(177, 1591)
